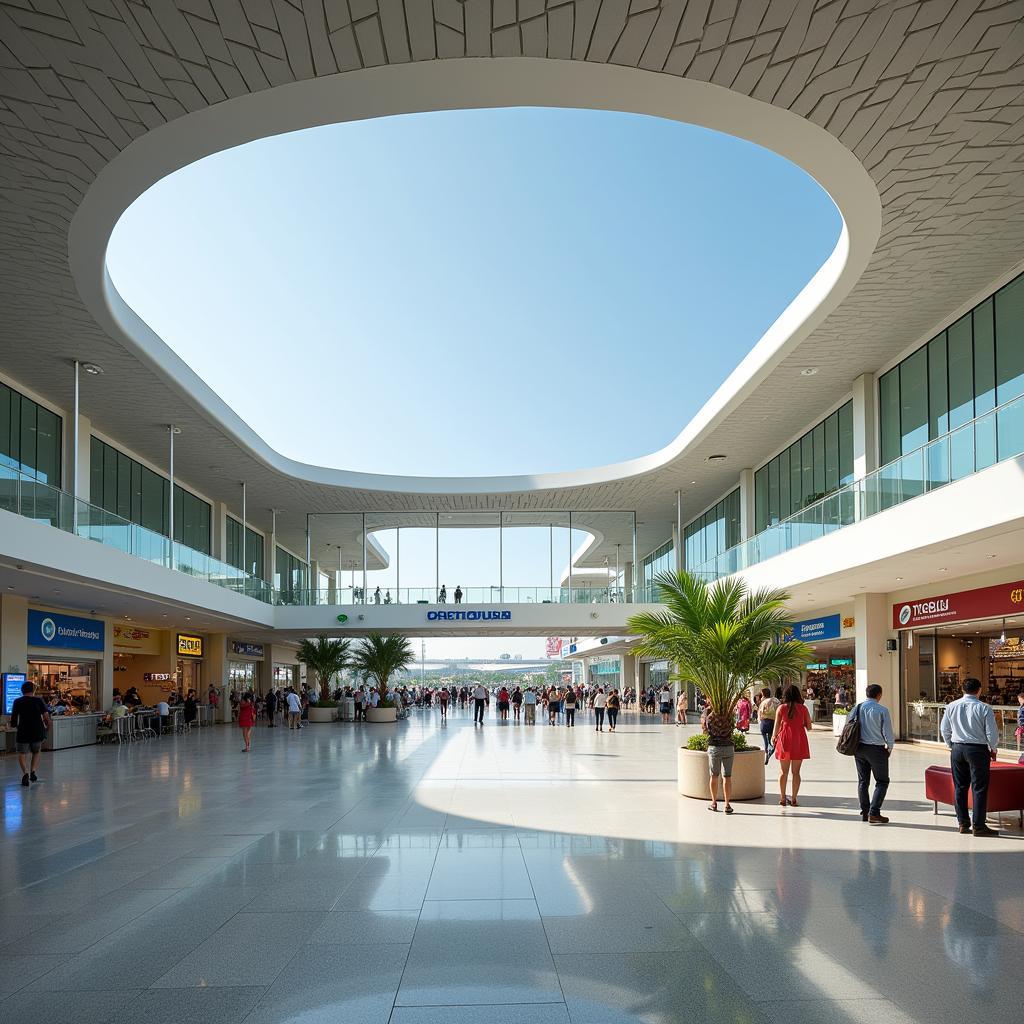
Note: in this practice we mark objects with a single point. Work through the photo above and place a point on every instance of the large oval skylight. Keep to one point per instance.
(472, 293)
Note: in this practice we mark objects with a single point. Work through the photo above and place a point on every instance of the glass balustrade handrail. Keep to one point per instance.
(967, 449)
(476, 596)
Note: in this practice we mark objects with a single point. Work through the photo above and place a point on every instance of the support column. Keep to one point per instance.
(219, 541)
(747, 526)
(106, 679)
(629, 672)
(216, 665)
(874, 664)
(13, 633)
(865, 434)
(627, 582)
(84, 455)
(270, 554)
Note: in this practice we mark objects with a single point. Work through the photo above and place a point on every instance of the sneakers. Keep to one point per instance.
(877, 819)
(24, 780)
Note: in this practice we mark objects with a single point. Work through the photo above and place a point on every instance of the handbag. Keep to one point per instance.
(849, 739)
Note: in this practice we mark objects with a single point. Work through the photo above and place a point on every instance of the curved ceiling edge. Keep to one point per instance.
(460, 84)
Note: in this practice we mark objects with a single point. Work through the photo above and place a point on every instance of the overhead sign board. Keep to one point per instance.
(826, 627)
(48, 629)
(190, 646)
(247, 650)
(488, 616)
(133, 640)
(1003, 599)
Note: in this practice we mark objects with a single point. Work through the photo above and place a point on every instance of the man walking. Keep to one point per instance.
(479, 700)
(969, 729)
(31, 720)
(872, 757)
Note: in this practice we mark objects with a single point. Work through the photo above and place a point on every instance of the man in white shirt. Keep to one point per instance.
(969, 729)
(479, 700)
(163, 709)
(294, 709)
(530, 706)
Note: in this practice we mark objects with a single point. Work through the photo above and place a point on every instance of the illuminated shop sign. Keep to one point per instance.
(190, 646)
(48, 629)
(247, 650)
(826, 627)
(841, 661)
(468, 616)
(1004, 599)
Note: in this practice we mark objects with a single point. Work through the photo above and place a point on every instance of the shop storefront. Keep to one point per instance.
(64, 656)
(245, 664)
(832, 668)
(191, 650)
(947, 638)
(142, 659)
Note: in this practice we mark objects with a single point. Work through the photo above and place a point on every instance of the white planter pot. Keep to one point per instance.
(747, 774)
(382, 715)
(322, 715)
(839, 724)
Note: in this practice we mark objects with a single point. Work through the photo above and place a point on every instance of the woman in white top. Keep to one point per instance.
(681, 704)
(600, 700)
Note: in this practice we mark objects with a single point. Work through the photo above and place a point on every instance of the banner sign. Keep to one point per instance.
(468, 616)
(825, 628)
(190, 646)
(554, 647)
(248, 650)
(129, 639)
(1003, 599)
(48, 629)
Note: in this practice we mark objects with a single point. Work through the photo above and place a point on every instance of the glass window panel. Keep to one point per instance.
(818, 439)
(154, 510)
(889, 414)
(1010, 429)
(984, 359)
(48, 455)
(123, 499)
(960, 357)
(136, 515)
(832, 452)
(807, 470)
(27, 453)
(1009, 341)
(914, 400)
(785, 501)
(732, 527)
(846, 444)
(796, 479)
(109, 479)
(96, 447)
(8, 456)
(773, 491)
(938, 398)
(761, 499)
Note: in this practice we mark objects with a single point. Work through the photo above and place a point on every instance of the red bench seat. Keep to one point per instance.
(1005, 788)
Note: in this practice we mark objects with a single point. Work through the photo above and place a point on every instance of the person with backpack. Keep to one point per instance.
(766, 708)
(872, 757)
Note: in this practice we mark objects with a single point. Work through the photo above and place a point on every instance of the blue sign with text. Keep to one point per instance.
(825, 628)
(488, 616)
(48, 629)
(12, 689)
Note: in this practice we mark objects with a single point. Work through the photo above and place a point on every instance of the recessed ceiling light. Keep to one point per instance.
(990, 556)
(942, 568)
(808, 371)
(93, 368)
(716, 458)
(899, 579)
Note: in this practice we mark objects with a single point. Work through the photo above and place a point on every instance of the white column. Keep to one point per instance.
(747, 527)
(270, 549)
(874, 664)
(865, 434)
(13, 633)
(216, 666)
(219, 541)
(106, 680)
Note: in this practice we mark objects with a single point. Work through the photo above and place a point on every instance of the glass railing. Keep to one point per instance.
(978, 444)
(48, 505)
(492, 595)
(924, 722)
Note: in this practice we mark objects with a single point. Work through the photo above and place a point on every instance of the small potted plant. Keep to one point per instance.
(839, 716)
(381, 657)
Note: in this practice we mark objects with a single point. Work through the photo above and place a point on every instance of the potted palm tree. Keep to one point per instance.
(381, 657)
(723, 638)
(324, 658)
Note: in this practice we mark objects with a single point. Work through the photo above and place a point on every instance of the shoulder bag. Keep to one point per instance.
(849, 740)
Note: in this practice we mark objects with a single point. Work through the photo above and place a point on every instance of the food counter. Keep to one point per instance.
(72, 731)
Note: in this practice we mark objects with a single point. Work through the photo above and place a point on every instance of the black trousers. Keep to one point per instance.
(599, 717)
(570, 716)
(872, 759)
(971, 768)
(613, 716)
(478, 711)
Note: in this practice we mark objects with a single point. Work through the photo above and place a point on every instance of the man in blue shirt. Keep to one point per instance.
(872, 757)
(969, 729)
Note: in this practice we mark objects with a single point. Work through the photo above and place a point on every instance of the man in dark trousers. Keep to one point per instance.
(31, 720)
(271, 703)
(969, 729)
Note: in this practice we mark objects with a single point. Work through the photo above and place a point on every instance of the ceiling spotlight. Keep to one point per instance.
(716, 458)
(93, 368)
(808, 371)
(899, 579)
(942, 568)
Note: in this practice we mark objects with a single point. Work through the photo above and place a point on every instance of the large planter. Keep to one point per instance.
(380, 715)
(323, 715)
(747, 774)
(839, 724)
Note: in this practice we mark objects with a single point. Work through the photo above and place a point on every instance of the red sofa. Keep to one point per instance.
(1005, 788)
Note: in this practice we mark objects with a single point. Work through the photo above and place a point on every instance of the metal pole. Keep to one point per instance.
(551, 559)
(437, 556)
(616, 584)
(273, 548)
(245, 565)
(309, 557)
(570, 558)
(398, 564)
(172, 429)
(74, 461)
(679, 531)
(363, 520)
(633, 577)
(501, 557)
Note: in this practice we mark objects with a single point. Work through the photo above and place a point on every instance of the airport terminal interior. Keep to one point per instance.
(379, 857)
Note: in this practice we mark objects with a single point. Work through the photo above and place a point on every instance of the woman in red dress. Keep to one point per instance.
(246, 720)
(792, 724)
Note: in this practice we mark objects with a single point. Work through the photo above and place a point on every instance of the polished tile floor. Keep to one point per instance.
(421, 873)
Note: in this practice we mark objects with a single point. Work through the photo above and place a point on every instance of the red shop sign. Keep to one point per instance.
(1004, 599)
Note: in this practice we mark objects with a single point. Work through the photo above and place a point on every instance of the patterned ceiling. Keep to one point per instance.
(929, 96)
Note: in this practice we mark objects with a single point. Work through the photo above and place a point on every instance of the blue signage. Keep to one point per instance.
(48, 629)
(12, 689)
(468, 616)
(248, 650)
(825, 628)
